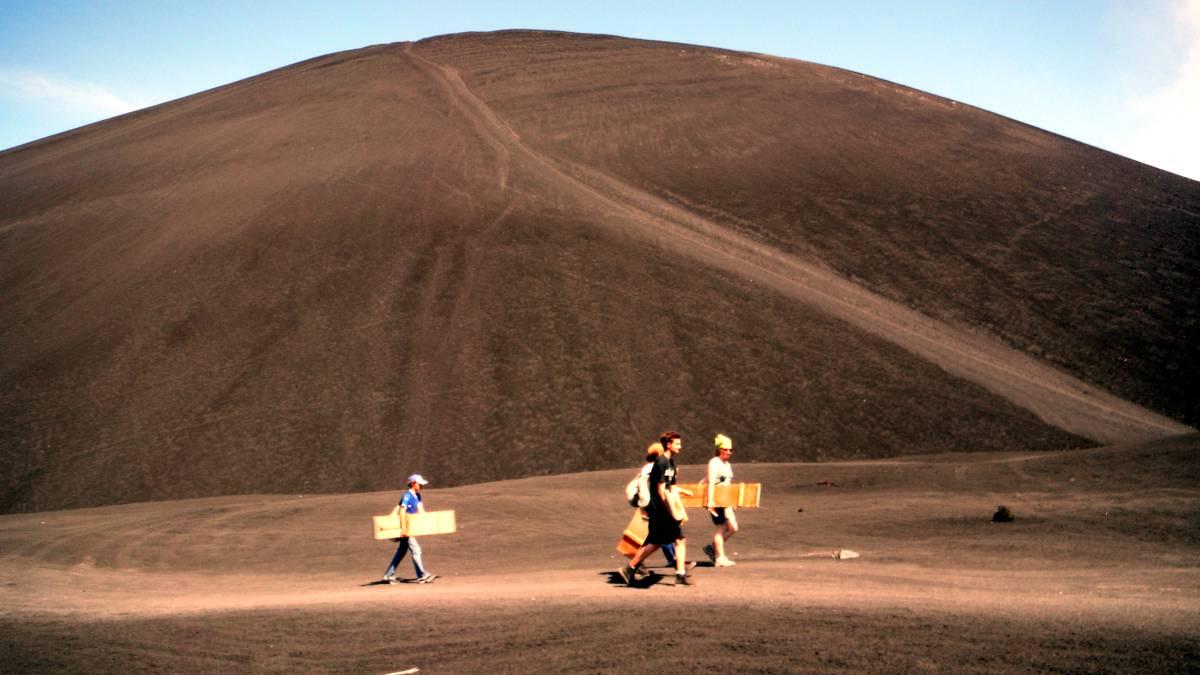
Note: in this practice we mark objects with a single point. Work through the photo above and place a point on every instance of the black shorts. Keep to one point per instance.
(718, 516)
(663, 529)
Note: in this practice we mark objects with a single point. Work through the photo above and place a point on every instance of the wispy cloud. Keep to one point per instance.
(1167, 134)
(75, 98)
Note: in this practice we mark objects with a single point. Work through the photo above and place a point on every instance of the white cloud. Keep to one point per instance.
(1167, 134)
(72, 98)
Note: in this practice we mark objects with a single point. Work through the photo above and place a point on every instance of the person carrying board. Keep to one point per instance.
(665, 512)
(410, 503)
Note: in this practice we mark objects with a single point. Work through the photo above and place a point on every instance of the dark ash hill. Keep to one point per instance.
(486, 256)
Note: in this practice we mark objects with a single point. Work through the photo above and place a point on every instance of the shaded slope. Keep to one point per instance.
(326, 276)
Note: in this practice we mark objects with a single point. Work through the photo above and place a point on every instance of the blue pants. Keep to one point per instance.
(669, 553)
(407, 544)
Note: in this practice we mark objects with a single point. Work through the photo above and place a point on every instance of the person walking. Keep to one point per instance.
(720, 472)
(668, 550)
(665, 527)
(410, 503)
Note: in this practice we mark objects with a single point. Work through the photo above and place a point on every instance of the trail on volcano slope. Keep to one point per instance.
(1054, 396)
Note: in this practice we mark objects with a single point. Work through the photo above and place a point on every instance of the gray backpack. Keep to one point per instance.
(637, 491)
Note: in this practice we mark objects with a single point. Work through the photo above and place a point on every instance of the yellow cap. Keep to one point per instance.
(724, 442)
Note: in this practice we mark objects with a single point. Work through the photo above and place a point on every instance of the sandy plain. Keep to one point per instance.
(1098, 573)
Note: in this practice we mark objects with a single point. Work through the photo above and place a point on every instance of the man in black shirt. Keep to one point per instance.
(665, 526)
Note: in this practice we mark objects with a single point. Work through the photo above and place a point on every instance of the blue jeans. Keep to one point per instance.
(407, 544)
(669, 553)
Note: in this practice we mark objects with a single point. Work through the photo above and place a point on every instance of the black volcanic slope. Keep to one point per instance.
(495, 255)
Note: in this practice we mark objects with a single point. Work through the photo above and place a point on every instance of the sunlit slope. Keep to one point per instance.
(327, 276)
(1076, 256)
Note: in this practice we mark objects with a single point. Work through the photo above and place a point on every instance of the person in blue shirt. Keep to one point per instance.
(411, 503)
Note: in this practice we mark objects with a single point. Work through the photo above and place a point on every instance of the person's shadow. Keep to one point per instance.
(614, 579)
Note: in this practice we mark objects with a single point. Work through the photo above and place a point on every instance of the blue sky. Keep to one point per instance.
(1124, 76)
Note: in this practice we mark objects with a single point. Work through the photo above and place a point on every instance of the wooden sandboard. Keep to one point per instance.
(740, 495)
(696, 498)
(639, 528)
(634, 535)
(419, 524)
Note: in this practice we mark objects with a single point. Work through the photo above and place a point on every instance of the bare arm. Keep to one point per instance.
(401, 517)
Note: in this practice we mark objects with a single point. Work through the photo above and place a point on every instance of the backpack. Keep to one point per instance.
(637, 491)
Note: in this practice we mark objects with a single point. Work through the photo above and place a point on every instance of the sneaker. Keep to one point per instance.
(684, 580)
(710, 552)
(426, 578)
(627, 574)
(389, 578)
(724, 562)
(641, 572)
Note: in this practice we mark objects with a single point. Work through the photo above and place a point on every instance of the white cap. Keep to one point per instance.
(416, 478)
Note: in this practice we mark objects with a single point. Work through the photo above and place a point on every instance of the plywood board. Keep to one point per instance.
(741, 495)
(634, 535)
(419, 524)
(695, 499)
